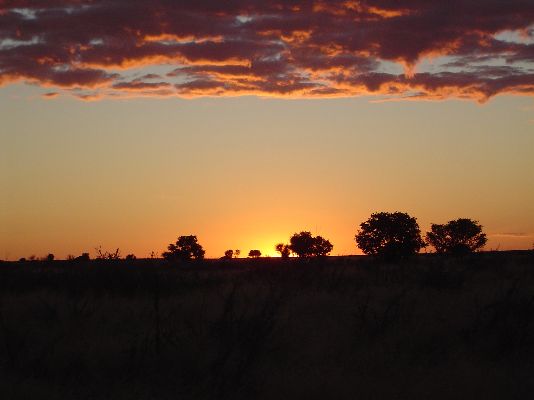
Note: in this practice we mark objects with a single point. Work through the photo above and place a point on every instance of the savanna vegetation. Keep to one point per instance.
(393, 325)
(338, 327)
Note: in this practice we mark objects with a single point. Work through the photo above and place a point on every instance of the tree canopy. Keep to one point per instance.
(391, 235)
(459, 236)
(185, 248)
(254, 253)
(229, 254)
(304, 244)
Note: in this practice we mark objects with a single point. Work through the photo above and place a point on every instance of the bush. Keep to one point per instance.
(83, 257)
(107, 255)
(390, 235)
(283, 249)
(460, 236)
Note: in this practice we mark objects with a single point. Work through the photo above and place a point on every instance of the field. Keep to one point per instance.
(334, 328)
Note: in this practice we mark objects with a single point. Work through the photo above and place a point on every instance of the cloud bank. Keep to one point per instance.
(414, 49)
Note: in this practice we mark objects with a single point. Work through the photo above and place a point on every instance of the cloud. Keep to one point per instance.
(139, 84)
(50, 95)
(512, 234)
(283, 48)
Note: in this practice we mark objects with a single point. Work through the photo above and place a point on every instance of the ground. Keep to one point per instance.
(341, 327)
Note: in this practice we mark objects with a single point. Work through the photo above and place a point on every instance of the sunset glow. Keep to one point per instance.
(126, 124)
(275, 48)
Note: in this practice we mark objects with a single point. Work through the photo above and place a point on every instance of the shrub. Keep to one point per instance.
(283, 249)
(107, 255)
(459, 236)
(390, 235)
(83, 257)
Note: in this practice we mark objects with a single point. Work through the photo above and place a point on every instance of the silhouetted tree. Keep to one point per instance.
(50, 257)
(254, 253)
(459, 236)
(229, 254)
(283, 249)
(130, 257)
(304, 244)
(390, 235)
(185, 248)
(237, 252)
(321, 247)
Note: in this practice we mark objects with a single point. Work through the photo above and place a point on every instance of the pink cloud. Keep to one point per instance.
(290, 48)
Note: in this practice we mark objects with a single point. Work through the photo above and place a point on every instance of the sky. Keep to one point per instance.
(124, 124)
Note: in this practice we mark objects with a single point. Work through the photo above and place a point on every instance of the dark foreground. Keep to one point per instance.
(341, 328)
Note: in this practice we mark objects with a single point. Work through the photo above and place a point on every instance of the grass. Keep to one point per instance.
(341, 327)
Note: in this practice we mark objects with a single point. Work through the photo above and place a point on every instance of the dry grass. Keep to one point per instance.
(338, 328)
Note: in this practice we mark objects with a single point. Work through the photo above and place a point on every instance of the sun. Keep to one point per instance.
(265, 244)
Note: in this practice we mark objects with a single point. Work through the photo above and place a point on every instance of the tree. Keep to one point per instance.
(229, 254)
(390, 235)
(130, 257)
(254, 253)
(283, 249)
(237, 252)
(49, 257)
(459, 236)
(321, 247)
(185, 248)
(304, 244)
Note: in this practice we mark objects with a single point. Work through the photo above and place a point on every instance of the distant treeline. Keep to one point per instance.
(389, 236)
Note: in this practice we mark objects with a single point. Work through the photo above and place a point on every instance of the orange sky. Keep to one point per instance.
(246, 173)
(126, 124)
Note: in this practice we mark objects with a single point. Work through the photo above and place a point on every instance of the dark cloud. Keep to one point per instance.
(140, 85)
(150, 76)
(50, 95)
(271, 47)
